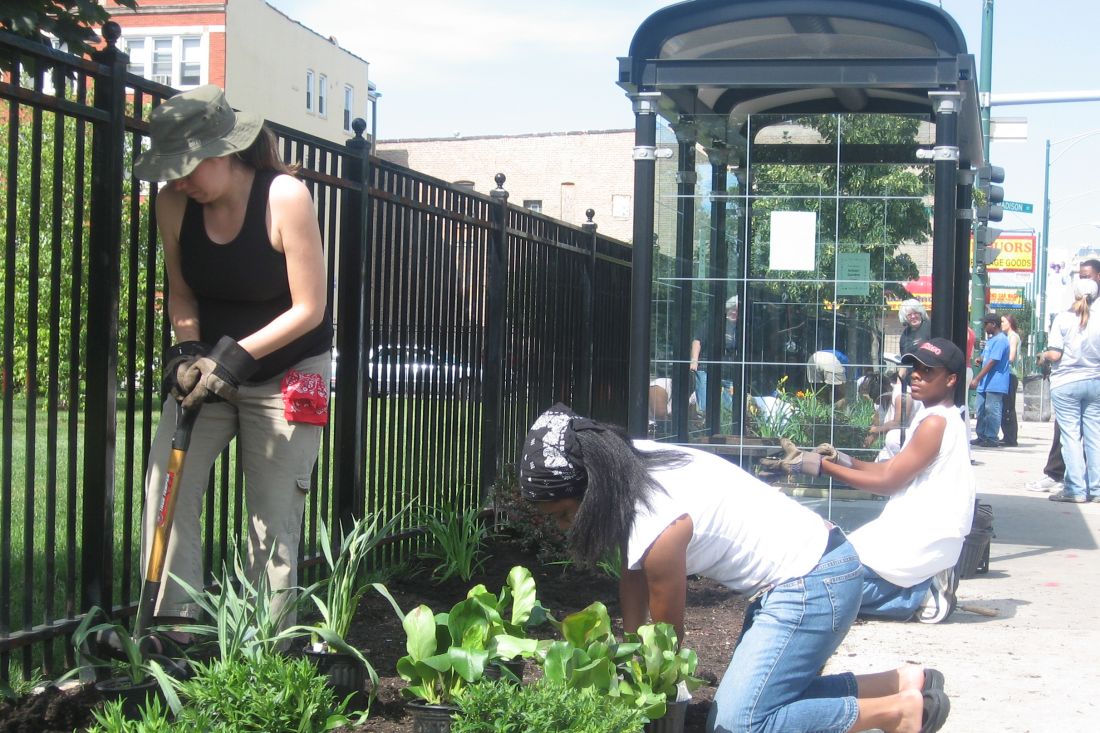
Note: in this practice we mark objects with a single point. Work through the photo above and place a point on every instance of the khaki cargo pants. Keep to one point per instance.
(278, 458)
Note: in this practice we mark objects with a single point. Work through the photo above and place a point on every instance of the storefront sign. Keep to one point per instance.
(1001, 299)
(1017, 253)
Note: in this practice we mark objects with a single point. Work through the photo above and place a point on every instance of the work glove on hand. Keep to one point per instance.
(218, 374)
(177, 360)
(830, 453)
(793, 461)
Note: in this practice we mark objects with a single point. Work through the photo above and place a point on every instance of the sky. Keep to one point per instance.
(478, 67)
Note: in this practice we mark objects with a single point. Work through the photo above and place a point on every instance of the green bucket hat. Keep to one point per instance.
(191, 127)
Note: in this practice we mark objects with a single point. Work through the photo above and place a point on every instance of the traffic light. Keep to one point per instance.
(988, 210)
(988, 178)
(984, 237)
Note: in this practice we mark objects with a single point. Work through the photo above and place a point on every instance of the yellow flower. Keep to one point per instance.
(799, 394)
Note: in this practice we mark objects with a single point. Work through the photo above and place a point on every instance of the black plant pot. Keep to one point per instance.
(673, 720)
(345, 673)
(431, 718)
(132, 696)
(514, 666)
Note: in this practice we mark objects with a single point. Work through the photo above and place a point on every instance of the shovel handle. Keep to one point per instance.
(162, 526)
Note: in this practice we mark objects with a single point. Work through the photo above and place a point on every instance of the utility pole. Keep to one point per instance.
(985, 85)
(978, 277)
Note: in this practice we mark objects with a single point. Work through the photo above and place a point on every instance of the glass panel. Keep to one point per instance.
(790, 331)
(136, 49)
(191, 61)
(162, 60)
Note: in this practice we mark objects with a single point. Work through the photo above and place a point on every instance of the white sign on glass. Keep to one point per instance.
(794, 240)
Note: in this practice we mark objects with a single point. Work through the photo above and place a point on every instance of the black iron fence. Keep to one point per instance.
(458, 318)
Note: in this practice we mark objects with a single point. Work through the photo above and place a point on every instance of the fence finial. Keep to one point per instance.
(589, 226)
(358, 125)
(499, 192)
(111, 32)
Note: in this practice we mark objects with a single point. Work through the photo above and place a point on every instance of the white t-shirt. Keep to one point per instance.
(746, 535)
(921, 530)
(1080, 347)
(891, 442)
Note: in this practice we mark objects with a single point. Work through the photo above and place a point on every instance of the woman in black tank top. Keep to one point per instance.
(249, 307)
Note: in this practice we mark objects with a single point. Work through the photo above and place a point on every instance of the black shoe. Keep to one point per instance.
(1067, 498)
(1007, 444)
(983, 443)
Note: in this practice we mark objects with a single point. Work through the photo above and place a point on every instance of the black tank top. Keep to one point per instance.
(242, 286)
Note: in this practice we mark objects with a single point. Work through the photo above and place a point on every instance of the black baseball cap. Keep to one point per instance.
(937, 352)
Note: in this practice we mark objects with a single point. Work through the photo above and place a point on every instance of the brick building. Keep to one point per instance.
(267, 62)
(560, 174)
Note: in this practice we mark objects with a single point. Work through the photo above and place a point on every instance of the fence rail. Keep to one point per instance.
(504, 310)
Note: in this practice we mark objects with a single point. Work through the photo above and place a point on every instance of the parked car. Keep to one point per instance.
(398, 369)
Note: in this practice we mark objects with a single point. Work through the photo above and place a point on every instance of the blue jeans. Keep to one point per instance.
(1077, 409)
(701, 392)
(883, 599)
(989, 405)
(772, 684)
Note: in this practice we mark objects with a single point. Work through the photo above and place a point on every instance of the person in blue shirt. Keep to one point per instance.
(992, 383)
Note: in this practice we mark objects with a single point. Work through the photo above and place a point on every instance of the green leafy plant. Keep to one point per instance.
(345, 585)
(449, 651)
(249, 619)
(644, 671)
(134, 665)
(457, 541)
(240, 695)
(547, 705)
(654, 674)
(589, 655)
(508, 614)
(113, 719)
(436, 669)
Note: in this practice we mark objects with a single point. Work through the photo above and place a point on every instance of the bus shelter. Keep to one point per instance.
(802, 169)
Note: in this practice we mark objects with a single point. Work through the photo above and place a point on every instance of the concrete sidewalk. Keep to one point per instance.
(1035, 666)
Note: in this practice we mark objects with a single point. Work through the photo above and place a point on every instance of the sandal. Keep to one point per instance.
(933, 680)
(937, 707)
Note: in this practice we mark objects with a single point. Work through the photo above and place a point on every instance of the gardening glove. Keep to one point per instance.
(830, 453)
(177, 360)
(793, 461)
(218, 374)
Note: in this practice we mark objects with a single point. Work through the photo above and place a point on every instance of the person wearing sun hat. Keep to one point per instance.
(249, 308)
(909, 552)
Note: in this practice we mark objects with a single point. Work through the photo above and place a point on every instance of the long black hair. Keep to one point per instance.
(619, 480)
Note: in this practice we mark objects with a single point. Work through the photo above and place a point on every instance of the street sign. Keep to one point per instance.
(1016, 206)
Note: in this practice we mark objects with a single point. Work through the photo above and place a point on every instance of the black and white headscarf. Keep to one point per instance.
(552, 465)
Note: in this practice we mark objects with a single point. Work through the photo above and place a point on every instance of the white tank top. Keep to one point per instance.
(921, 530)
(746, 535)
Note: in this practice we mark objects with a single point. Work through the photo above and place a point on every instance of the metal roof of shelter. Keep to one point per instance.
(742, 57)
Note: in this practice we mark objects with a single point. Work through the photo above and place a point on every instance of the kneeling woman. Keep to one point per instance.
(677, 512)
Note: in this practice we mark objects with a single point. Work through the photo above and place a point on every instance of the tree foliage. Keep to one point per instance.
(72, 22)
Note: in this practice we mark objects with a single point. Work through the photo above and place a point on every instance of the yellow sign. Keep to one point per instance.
(1017, 253)
(1006, 298)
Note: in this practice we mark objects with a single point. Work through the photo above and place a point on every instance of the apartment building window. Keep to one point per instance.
(175, 60)
(349, 106)
(136, 48)
(309, 90)
(190, 61)
(533, 204)
(322, 95)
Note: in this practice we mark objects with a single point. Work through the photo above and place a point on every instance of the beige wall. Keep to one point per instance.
(568, 172)
(267, 55)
